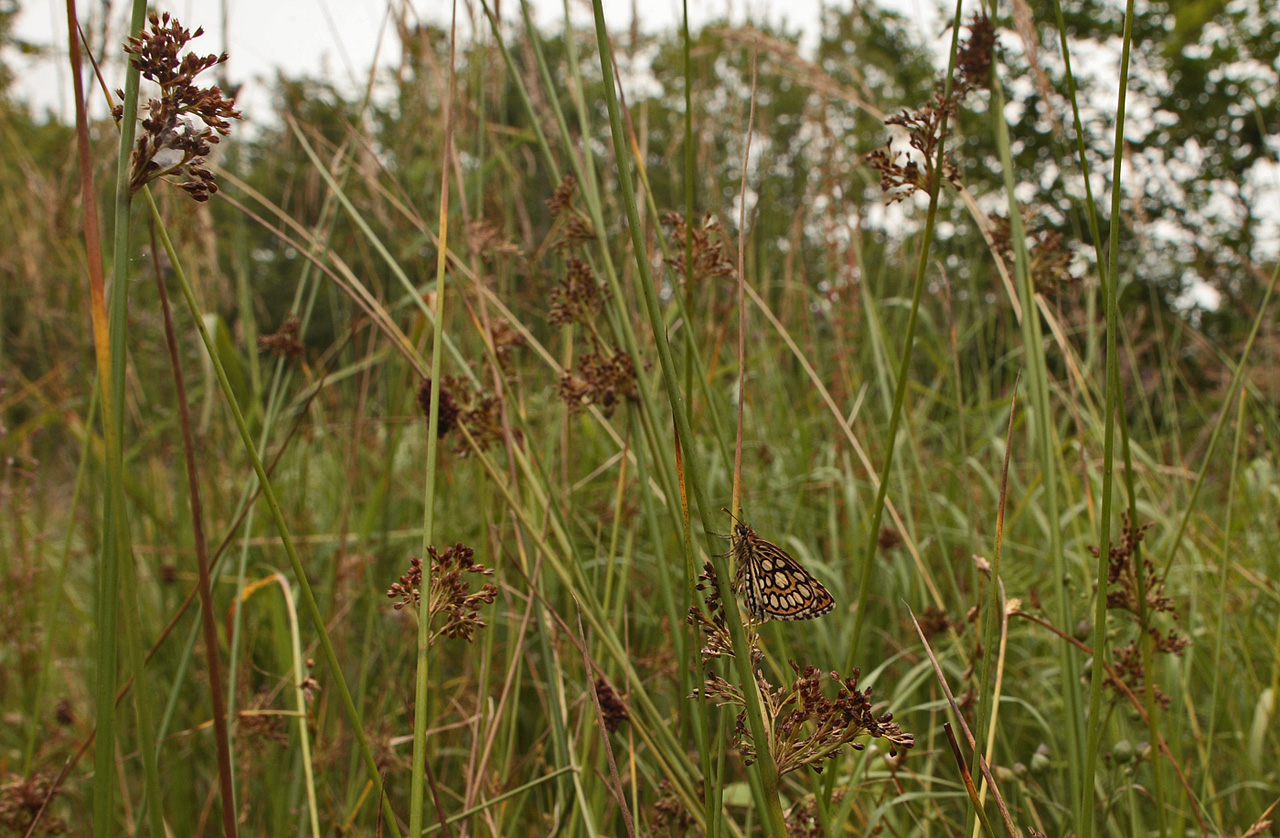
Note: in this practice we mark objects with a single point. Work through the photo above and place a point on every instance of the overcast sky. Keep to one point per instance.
(339, 38)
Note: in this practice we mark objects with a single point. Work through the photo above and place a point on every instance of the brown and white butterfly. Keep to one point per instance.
(774, 584)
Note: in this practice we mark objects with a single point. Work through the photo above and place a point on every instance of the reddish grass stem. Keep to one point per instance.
(207, 624)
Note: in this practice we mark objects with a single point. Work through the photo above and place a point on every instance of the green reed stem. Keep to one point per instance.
(429, 492)
(116, 546)
(1093, 739)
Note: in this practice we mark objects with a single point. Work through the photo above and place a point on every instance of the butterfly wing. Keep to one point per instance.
(745, 554)
(774, 584)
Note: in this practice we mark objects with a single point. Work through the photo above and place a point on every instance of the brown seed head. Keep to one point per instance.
(186, 120)
(612, 709)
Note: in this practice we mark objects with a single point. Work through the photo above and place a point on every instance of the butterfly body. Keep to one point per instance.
(774, 584)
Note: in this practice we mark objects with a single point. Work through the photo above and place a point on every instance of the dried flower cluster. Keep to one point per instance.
(505, 339)
(184, 123)
(709, 257)
(901, 175)
(389, 759)
(20, 800)
(579, 296)
(805, 727)
(1049, 256)
(484, 238)
(973, 55)
(1126, 593)
(447, 418)
(716, 626)
(802, 818)
(476, 410)
(889, 538)
(934, 621)
(577, 226)
(612, 708)
(258, 725)
(1122, 576)
(602, 380)
(450, 592)
(669, 815)
(284, 342)
(605, 375)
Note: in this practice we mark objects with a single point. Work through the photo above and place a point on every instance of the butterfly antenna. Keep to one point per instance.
(736, 519)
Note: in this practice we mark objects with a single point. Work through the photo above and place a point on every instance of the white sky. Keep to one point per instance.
(339, 40)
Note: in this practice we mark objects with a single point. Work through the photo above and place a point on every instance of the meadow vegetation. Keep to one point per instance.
(281, 557)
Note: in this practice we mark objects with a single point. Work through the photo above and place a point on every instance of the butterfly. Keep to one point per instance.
(773, 583)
